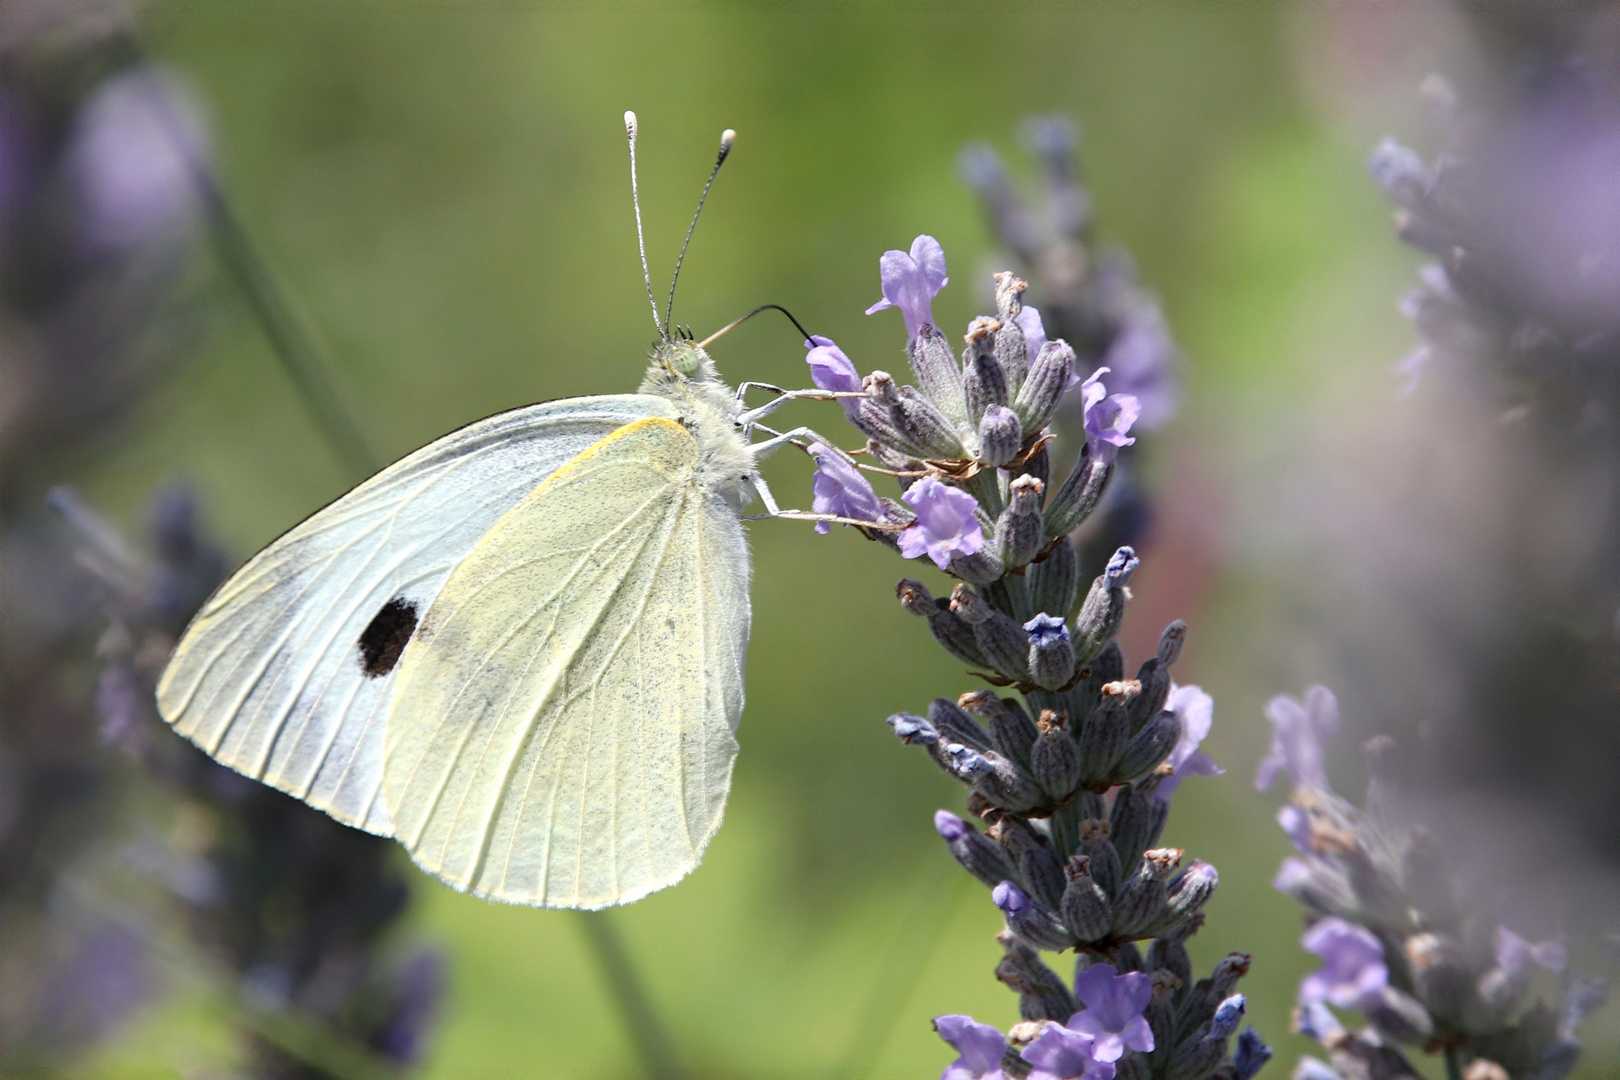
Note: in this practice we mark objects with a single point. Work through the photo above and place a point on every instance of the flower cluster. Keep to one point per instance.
(1070, 782)
(1400, 942)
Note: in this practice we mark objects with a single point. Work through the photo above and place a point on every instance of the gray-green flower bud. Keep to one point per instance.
(1141, 899)
(1148, 747)
(1085, 908)
(1011, 729)
(1054, 581)
(937, 374)
(1055, 759)
(947, 627)
(1019, 535)
(1042, 388)
(1104, 736)
(1002, 641)
(1000, 435)
(1079, 494)
(983, 382)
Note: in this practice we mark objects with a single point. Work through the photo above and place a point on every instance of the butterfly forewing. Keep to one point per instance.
(286, 672)
(562, 729)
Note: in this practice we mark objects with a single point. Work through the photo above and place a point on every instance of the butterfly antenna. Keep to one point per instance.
(734, 323)
(641, 242)
(728, 138)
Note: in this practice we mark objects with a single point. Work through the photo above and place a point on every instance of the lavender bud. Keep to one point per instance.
(1010, 289)
(1012, 349)
(1041, 991)
(1000, 435)
(1201, 1055)
(1051, 656)
(1438, 974)
(1155, 680)
(1104, 860)
(1142, 897)
(1169, 952)
(1198, 1007)
(1137, 820)
(1040, 868)
(1055, 580)
(1079, 494)
(1160, 1012)
(1399, 1016)
(1186, 896)
(947, 627)
(978, 854)
(1085, 907)
(1055, 759)
(937, 374)
(1019, 532)
(1005, 784)
(1106, 731)
(910, 729)
(1104, 606)
(1011, 729)
(874, 415)
(1038, 396)
(1228, 1015)
(1109, 666)
(1002, 640)
(925, 426)
(1148, 747)
(1030, 920)
(1251, 1055)
(1038, 465)
(1170, 643)
(983, 381)
(983, 567)
(956, 725)
(1401, 173)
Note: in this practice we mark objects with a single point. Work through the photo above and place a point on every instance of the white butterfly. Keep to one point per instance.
(518, 650)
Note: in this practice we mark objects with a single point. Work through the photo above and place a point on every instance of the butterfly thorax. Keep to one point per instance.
(684, 375)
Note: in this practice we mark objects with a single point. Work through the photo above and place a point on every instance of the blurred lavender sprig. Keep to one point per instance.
(1428, 961)
(1072, 779)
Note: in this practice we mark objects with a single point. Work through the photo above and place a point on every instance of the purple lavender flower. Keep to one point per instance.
(910, 282)
(1514, 953)
(136, 146)
(1060, 1053)
(830, 369)
(1029, 321)
(945, 525)
(1046, 629)
(949, 826)
(1108, 417)
(1353, 972)
(1113, 1013)
(1296, 824)
(980, 1046)
(1141, 357)
(840, 489)
(1298, 732)
(1197, 712)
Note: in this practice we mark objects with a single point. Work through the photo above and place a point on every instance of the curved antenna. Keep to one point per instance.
(738, 322)
(641, 243)
(728, 138)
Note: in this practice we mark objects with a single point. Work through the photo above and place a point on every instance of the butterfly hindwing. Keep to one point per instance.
(285, 673)
(561, 733)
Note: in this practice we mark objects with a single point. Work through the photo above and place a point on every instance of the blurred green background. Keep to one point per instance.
(443, 191)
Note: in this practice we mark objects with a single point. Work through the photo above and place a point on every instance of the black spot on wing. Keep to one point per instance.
(384, 638)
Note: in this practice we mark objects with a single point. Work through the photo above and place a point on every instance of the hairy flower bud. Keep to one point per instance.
(947, 627)
(1186, 896)
(1055, 759)
(1141, 898)
(1085, 907)
(952, 723)
(1002, 640)
(937, 374)
(874, 415)
(1054, 582)
(1155, 680)
(1000, 435)
(983, 381)
(1148, 747)
(923, 425)
(1051, 655)
(1038, 396)
(1011, 729)
(1030, 920)
(1019, 534)
(1104, 736)
(1042, 993)
(1104, 606)
(1005, 784)
(1136, 821)
(1103, 858)
(1170, 643)
(979, 855)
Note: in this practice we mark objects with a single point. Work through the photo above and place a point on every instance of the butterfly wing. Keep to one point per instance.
(562, 730)
(286, 671)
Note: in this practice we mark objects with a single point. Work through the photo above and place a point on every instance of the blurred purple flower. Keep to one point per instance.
(1197, 712)
(135, 150)
(420, 988)
(1029, 321)
(1298, 732)
(108, 978)
(121, 703)
(830, 369)
(980, 1046)
(840, 489)
(1142, 357)
(1296, 824)
(1353, 970)
(1113, 1013)
(1514, 953)
(911, 281)
(1108, 417)
(945, 525)
(1060, 1053)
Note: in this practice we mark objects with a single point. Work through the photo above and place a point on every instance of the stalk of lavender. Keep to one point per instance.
(1428, 962)
(1071, 779)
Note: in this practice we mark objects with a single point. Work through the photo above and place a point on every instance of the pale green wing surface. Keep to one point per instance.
(270, 677)
(562, 730)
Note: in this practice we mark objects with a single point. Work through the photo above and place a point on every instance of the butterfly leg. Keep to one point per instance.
(752, 416)
(774, 511)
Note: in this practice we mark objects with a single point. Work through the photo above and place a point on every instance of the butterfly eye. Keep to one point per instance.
(684, 358)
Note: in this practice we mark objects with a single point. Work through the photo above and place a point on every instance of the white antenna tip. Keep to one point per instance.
(728, 139)
(630, 123)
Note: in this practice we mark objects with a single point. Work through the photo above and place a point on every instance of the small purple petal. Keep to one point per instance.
(979, 1045)
(1515, 953)
(911, 281)
(1114, 1007)
(945, 525)
(1029, 321)
(840, 489)
(1353, 969)
(1108, 417)
(949, 826)
(1298, 732)
(830, 369)
(1046, 629)
(1061, 1053)
(1296, 824)
(1196, 710)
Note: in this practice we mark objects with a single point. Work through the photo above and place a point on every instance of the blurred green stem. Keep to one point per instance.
(651, 1040)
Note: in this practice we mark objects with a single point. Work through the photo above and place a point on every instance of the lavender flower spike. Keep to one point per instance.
(830, 369)
(1060, 1053)
(1113, 1013)
(1353, 970)
(945, 525)
(840, 489)
(1108, 417)
(1197, 712)
(910, 283)
(979, 1045)
(1298, 732)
